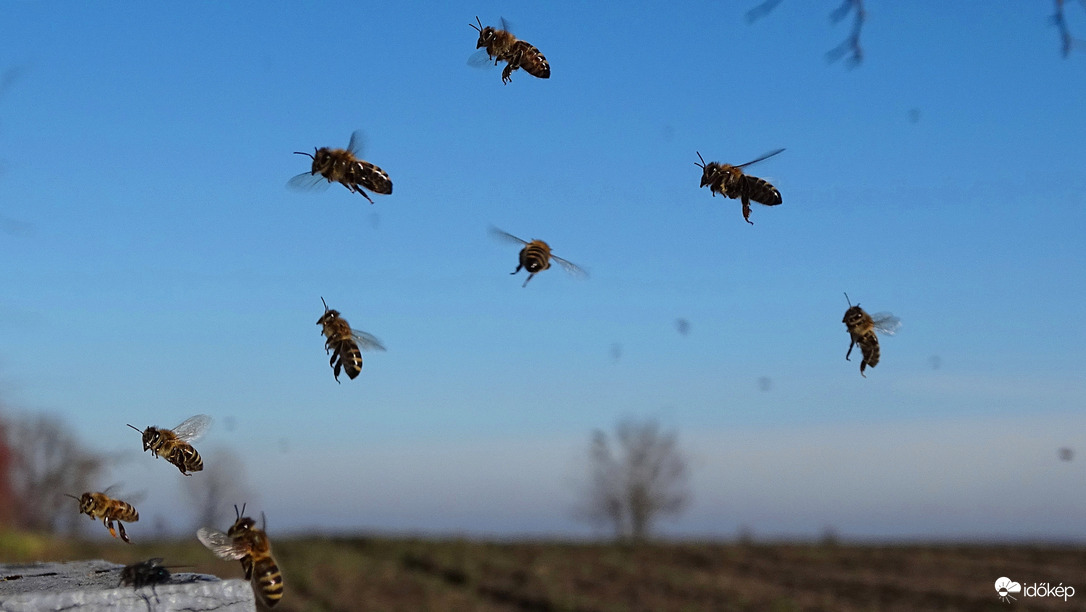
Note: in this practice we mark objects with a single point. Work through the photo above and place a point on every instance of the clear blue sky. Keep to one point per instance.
(155, 266)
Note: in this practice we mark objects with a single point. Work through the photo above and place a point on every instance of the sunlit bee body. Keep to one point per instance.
(730, 182)
(244, 542)
(536, 256)
(174, 445)
(344, 343)
(502, 46)
(343, 166)
(104, 507)
(145, 573)
(861, 330)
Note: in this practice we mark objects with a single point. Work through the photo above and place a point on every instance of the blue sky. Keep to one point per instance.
(155, 265)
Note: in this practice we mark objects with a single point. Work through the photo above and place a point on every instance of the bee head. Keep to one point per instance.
(853, 315)
(328, 315)
(485, 34)
(86, 502)
(708, 171)
(244, 524)
(150, 436)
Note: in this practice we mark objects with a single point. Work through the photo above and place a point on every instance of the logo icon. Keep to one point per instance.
(1005, 586)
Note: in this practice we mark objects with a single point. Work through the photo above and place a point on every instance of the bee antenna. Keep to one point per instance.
(478, 29)
(134, 427)
(848, 300)
(325, 303)
(73, 497)
(303, 153)
(702, 164)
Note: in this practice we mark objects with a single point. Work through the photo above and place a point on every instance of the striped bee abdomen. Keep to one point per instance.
(269, 580)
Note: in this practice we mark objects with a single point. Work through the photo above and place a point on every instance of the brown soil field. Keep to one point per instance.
(392, 574)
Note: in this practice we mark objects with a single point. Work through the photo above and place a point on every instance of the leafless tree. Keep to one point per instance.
(633, 481)
(214, 490)
(47, 462)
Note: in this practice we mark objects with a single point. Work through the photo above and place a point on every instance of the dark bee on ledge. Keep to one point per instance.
(730, 182)
(502, 46)
(345, 167)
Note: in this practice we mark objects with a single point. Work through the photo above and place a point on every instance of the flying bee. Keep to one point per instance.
(730, 182)
(345, 343)
(502, 46)
(343, 166)
(174, 444)
(861, 330)
(244, 542)
(102, 506)
(536, 256)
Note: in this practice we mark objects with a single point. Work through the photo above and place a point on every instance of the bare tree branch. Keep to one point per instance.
(1069, 42)
(761, 10)
(852, 43)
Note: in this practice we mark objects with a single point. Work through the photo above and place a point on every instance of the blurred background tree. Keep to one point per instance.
(634, 479)
(41, 460)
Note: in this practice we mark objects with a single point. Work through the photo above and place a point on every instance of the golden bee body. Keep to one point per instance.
(862, 328)
(502, 46)
(104, 507)
(345, 167)
(536, 256)
(731, 182)
(344, 343)
(244, 542)
(174, 445)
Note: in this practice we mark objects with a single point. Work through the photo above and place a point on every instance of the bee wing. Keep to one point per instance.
(886, 323)
(221, 544)
(355, 146)
(766, 156)
(308, 182)
(570, 267)
(497, 233)
(192, 428)
(480, 59)
(367, 342)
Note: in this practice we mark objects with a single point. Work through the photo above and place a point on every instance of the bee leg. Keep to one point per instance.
(108, 522)
(528, 279)
(850, 345)
(181, 466)
(335, 368)
(863, 364)
(506, 74)
(746, 209)
(124, 536)
(519, 266)
(363, 193)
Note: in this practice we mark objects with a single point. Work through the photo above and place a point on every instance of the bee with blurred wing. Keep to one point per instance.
(174, 446)
(730, 182)
(861, 330)
(343, 166)
(536, 256)
(102, 506)
(245, 543)
(345, 343)
(502, 46)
